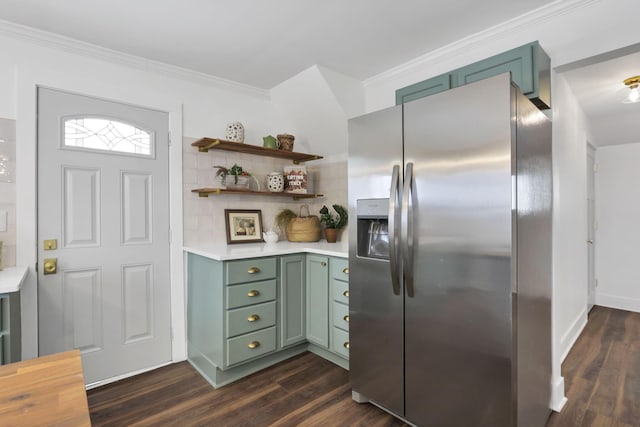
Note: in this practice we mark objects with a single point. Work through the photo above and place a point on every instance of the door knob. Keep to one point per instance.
(50, 265)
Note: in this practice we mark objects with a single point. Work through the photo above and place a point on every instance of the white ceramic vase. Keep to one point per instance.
(275, 182)
(235, 132)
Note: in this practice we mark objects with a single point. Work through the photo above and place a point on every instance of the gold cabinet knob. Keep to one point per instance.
(346, 294)
(253, 318)
(253, 293)
(254, 344)
(346, 318)
(50, 265)
(346, 345)
(253, 270)
(345, 270)
(324, 264)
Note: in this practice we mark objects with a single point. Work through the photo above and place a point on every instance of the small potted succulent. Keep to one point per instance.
(233, 178)
(333, 223)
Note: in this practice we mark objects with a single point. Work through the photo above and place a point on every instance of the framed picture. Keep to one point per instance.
(243, 225)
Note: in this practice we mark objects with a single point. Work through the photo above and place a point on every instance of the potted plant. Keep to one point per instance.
(233, 178)
(333, 223)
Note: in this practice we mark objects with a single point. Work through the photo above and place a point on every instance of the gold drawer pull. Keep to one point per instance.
(346, 318)
(253, 318)
(346, 294)
(345, 270)
(253, 293)
(253, 270)
(254, 344)
(346, 345)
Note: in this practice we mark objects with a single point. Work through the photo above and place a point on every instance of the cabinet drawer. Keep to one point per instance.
(250, 270)
(340, 269)
(251, 345)
(340, 342)
(341, 316)
(249, 319)
(251, 293)
(340, 291)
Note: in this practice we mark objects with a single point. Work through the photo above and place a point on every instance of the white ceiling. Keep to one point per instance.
(263, 43)
(599, 90)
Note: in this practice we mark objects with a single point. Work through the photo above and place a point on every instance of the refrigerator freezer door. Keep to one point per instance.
(375, 311)
(458, 325)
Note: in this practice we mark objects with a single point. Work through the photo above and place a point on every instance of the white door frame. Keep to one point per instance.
(26, 207)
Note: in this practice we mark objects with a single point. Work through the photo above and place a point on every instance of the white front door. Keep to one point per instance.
(103, 216)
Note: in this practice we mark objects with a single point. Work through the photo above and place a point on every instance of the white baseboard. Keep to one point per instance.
(621, 303)
(558, 399)
(569, 338)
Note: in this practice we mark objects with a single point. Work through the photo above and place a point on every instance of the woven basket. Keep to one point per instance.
(303, 228)
(286, 141)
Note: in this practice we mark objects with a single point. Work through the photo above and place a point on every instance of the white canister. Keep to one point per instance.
(275, 182)
(235, 132)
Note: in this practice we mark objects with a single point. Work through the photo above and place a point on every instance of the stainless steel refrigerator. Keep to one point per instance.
(450, 258)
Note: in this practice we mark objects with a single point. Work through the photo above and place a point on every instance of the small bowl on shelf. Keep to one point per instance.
(240, 183)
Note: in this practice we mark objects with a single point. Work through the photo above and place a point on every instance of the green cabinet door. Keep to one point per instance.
(292, 300)
(425, 88)
(10, 331)
(529, 66)
(318, 300)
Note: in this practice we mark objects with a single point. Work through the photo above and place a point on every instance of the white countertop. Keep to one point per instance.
(224, 252)
(11, 279)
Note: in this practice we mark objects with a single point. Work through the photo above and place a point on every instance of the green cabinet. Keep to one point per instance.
(245, 315)
(292, 300)
(10, 336)
(529, 66)
(328, 304)
(318, 300)
(339, 305)
(231, 315)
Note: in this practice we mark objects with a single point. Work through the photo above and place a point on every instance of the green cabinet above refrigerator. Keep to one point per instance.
(529, 66)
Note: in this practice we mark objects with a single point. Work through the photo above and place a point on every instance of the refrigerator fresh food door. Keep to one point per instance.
(458, 320)
(375, 300)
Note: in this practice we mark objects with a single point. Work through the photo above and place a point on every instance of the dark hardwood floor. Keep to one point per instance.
(602, 373)
(304, 390)
(602, 378)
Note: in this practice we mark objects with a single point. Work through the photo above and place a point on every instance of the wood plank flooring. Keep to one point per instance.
(602, 378)
(602, 373)
(304, 390)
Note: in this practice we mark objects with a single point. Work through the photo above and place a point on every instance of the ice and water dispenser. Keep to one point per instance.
(373, 231)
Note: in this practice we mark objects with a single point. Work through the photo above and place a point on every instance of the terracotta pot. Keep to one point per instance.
(331, 234)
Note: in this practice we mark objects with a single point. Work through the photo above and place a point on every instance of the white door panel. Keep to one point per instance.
(109, 212)
(591, 223)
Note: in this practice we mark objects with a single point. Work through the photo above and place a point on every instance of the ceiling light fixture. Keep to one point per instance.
(634, 93)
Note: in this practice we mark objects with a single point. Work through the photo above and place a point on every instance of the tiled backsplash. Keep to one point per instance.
(204, 217)
(8, 190)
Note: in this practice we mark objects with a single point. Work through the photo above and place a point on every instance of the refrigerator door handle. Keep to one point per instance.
(407, 228)
(393, 225)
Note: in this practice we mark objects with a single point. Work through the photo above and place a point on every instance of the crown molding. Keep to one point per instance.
(543, 13)
(77, 47)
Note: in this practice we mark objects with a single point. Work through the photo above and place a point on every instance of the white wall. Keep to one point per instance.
(568, 31)
(618, 234)
(570, 135)
(8, 191)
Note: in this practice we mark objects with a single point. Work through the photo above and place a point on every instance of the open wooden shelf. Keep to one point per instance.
(206, 144)
(205, 192)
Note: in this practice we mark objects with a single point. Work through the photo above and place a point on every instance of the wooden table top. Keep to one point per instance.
(45, 391)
